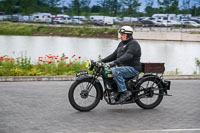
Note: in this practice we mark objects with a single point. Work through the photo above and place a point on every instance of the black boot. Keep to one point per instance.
(123, 97)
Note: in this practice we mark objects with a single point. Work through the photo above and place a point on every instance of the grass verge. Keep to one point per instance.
(9, 28)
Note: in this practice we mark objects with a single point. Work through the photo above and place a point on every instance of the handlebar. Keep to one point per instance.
(102, 64)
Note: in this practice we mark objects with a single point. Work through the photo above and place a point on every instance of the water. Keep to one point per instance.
(174, 54)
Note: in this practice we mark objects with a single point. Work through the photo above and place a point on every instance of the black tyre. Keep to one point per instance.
(150, 93)
(82, 99)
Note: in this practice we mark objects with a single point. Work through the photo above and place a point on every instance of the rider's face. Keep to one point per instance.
(123, 37)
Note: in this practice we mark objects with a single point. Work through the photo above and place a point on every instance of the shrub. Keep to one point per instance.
(47, 65)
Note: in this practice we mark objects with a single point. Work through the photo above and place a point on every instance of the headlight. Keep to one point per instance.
(90, 65)
(87, 64)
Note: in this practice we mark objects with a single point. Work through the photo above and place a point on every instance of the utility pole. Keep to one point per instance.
(63, 6)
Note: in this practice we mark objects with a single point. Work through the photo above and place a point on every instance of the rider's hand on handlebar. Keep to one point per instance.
(100, 62)
(112, 64)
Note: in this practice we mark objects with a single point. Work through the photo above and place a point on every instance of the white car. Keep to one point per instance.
(171, 22)
(68, 21)
(76, 21)
(159, 23)
(183, 20)
(58, 20)
(62, 20)
(191, 23)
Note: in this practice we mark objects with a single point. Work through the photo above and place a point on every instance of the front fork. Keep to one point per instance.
(94, 81)
(110, 93)
(89, 85)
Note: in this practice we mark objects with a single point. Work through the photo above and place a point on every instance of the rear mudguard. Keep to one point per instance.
(98, 84)
(162, 82)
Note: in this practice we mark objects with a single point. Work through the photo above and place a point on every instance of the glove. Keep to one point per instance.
(112, 64)
(99, 61)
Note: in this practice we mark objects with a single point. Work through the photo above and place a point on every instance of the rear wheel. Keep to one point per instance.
(150, 93)
(83, 95)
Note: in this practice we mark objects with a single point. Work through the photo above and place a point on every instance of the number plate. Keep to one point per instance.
(81, 73)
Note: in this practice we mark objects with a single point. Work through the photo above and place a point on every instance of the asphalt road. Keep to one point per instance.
(43, 107)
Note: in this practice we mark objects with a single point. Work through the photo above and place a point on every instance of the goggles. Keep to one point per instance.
(122, 30)
(125, 31)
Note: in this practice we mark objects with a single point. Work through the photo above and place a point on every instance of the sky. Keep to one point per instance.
(143, 4)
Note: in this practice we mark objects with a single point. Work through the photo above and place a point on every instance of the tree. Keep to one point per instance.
(185, 7)
(84, 5)
(75, 8)
(198, 10)
(159, 6)
(104, 6)
(78, 7)
(114, 7)
(173, 7)
(53, 4)
(95, 9)
(9, 6)
(132, 7)
(28, 6)
(109, 7)
(149, 8)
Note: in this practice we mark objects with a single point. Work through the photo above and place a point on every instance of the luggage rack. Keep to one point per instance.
(156, 69)
(153, 68)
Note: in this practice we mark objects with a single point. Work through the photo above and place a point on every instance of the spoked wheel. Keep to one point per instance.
(150, 93)
(83, 95)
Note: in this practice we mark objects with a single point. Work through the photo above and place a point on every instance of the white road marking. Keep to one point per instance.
(159, 130)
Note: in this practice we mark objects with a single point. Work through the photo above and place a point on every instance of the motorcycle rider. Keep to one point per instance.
(126, 58)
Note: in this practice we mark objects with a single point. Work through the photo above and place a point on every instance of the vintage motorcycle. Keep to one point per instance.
(147, 90)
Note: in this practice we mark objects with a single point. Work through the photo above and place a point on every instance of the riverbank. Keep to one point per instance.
(72, 78)
(168, 36)
(8, 28)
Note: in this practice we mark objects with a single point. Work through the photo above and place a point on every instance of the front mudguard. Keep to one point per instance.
(97, 83)
(165, 84)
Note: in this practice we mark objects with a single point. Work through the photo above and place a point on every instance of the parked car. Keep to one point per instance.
(58, 20)
(17, 18)
(165, 16)
(99, 22)
(102, 20)
(195, 20)
(68, 21)
(147, 23)
(183, 20)
(28, 18)
(94, 18)
(159, 23)
(62, 15)
(82, 18)
(129, 19)
(7, 17)
(42, 17)
(191, 23)
(108, 21)
(1, 17)
(117, 20)
(76, 21)
(171, 23)
(147, 18)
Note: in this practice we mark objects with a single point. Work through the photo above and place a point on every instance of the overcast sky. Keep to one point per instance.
(93, 2)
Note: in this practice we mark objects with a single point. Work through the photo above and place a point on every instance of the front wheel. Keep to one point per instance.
(150, 93)
(83, 95)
